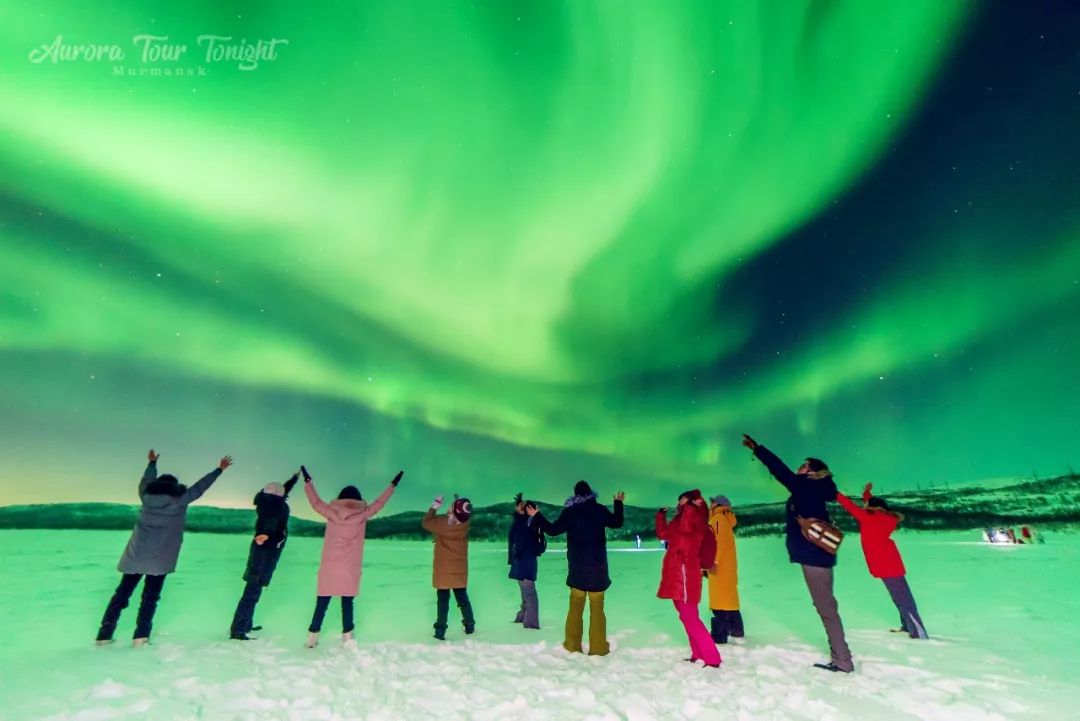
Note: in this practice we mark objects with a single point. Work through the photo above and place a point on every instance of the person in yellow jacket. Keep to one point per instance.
(724, 575)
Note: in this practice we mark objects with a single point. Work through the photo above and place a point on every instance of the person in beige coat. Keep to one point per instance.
(450, 568)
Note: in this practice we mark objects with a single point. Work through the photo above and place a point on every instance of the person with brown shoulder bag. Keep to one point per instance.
(812, 541)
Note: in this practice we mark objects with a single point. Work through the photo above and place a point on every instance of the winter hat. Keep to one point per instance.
(876, 502)
(462, 509)
(818, 469)
(693, 497)
(581, 488)
(274, 489)
(350, 493)
(720, 501)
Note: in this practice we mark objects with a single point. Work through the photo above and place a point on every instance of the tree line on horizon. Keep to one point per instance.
(1053, 502)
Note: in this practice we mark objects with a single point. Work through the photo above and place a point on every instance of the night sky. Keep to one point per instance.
(507, 245)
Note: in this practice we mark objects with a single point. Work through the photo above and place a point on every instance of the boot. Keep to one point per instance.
(467, 618)
(347, 639)
(440, 632)
(832, 667)
(312, 639)
(719, 630)
(140, 642)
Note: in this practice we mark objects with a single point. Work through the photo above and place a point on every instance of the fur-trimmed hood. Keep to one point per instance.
(164, 488)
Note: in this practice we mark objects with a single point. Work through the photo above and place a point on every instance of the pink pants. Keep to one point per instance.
(701, 643)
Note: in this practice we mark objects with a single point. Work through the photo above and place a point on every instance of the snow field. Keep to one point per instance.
(1004, 623)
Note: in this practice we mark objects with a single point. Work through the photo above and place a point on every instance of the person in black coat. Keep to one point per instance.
(525, 544)
(585, 523)
(271, 531)
(810, 488)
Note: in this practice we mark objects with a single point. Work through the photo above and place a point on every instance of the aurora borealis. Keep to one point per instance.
(505, 245)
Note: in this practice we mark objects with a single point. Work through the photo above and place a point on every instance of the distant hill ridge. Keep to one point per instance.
(1044, 503)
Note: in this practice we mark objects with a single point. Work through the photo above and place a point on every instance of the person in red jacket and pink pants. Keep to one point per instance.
(876, 524)
(691, 548)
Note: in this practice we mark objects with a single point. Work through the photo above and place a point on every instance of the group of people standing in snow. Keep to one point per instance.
(699, 543)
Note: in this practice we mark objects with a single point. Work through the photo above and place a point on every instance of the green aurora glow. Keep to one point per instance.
(507, 245)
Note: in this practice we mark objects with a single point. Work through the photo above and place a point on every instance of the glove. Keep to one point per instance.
(397, 479)
(307, 476)
(437, 502)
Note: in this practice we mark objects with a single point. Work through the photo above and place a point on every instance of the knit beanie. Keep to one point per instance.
(462, 509)
(581, 488)
(274, 489)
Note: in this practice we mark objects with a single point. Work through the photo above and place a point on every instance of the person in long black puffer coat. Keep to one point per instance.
(525, 545)
(585, 523)
(271, 532)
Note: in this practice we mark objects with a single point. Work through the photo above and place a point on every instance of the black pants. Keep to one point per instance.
(442, 605)
(119, 601)
(244, 618)
(726, 623)
(322, 603)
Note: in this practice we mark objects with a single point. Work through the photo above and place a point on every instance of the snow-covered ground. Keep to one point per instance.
(1005, 622)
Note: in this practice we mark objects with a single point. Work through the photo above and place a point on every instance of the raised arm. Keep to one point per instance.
(290, 483)
(615, 520)
(317, 504)
(661, 524)
(150, 474)
(851, 507)
(777, 468)
(428, 521)
(201, 486)
(378, 503)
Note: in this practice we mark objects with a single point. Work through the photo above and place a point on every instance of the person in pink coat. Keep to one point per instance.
(343, 551)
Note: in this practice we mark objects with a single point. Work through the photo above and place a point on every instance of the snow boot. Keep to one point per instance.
(833, 667)
(347, 639)
(312, 639)
(719, 629)
(241, 637)
(140, 642)
(103, 641)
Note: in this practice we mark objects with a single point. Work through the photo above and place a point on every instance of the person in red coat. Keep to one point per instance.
(691, 547)
(876, 524)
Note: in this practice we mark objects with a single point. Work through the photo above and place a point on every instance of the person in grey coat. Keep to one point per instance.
(154, 545)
